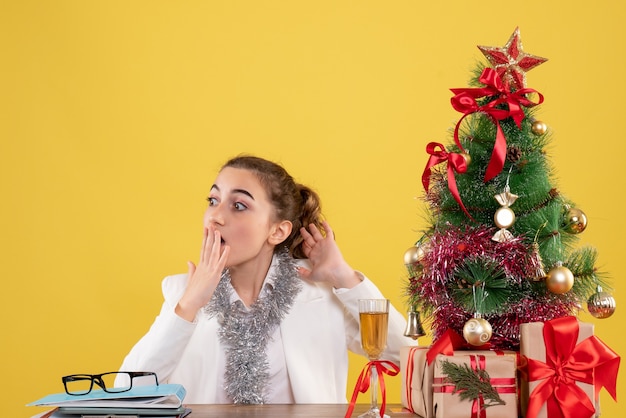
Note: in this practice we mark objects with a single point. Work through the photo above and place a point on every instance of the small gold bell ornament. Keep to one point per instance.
(414, 328)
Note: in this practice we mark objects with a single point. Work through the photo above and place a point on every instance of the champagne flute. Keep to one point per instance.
(374, 318)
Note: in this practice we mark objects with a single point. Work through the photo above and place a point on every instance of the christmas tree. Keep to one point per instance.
(501, 246)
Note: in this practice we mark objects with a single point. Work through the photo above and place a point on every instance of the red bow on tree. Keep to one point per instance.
(456, 162)
(465, 102)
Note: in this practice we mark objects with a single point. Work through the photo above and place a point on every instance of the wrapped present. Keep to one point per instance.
(417, 365)
(417, 379)
(492, 391)
(566, 366)
(417, 369)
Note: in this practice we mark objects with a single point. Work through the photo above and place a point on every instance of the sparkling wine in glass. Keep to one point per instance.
(374, 318)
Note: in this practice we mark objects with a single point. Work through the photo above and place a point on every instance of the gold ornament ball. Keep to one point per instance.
(575, 221)
(477, 331)
(539, 128)
(504, 217)
(559, 280)
(413, 255)
(601, 305)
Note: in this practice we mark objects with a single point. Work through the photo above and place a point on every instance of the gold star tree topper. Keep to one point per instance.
(511, 62)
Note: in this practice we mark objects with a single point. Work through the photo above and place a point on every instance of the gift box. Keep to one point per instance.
(566, 366)
(417, 369)
(417, 379)
(501, 368)
(418, 375)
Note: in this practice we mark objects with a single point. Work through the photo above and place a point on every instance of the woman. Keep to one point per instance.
(269, 311)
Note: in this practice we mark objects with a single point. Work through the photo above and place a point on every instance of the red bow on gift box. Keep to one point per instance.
(465, 102)
(590, 362)
(448, 343)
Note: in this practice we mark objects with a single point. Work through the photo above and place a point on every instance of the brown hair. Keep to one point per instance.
(294, 202)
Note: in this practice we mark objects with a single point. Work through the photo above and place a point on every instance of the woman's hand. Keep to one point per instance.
(327, 263)
(204, 277)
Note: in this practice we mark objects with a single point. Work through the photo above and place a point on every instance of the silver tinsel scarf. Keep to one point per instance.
(246, 334)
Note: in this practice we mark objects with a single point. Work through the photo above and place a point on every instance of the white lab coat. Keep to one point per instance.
(317, 332)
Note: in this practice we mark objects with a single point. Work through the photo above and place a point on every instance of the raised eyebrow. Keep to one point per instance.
(243, 191)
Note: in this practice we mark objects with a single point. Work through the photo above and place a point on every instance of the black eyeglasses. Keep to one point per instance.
(81, 384)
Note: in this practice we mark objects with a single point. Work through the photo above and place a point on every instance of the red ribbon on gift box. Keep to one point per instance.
(591, 362)
(409, 378)
(447, 343)
(500, 384)
(363, 383)
(456, 162)
(465, 102)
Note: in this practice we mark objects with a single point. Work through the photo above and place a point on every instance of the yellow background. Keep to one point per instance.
(116, 115)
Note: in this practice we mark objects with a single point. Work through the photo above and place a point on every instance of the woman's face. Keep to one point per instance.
(239, 208)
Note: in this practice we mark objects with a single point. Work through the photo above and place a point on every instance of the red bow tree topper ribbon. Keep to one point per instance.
(363, 383)
(456, 162)
(590, 362)
(465, 102)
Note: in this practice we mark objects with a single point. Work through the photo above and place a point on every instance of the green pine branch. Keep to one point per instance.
(581, 263)
(480, 286)
(471, 384)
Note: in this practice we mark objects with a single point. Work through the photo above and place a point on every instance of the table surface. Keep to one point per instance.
(284, 411)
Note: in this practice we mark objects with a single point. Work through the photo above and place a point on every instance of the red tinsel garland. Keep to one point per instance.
(448, 248)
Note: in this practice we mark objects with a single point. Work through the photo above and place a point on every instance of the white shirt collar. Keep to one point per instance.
(268, 285)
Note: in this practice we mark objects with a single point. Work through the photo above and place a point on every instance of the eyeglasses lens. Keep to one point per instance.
(83, 384)
(109, 381)
(78, 384)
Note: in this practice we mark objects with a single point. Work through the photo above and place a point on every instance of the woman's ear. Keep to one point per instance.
(281, 232)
